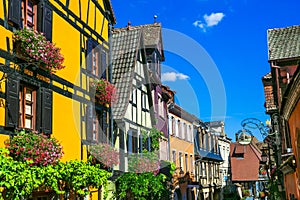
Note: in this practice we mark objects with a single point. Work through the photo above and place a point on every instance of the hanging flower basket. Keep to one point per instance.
(104, 154)
(33, 47)
(103, 92)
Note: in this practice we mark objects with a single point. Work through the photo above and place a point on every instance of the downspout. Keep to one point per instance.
(111, 122)
(110, 76)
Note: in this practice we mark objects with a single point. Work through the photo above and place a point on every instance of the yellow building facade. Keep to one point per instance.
(61, 103)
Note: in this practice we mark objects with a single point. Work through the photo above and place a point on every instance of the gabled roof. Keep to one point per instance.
(244, 168)
(108, 7)
(125, 48)
(152, 35)
(284, 43)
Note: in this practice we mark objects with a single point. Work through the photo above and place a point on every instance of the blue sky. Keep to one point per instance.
(214, 46)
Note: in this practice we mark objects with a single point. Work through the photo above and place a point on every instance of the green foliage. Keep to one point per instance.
(155, 136)
(18, 180)
(145, 186)
(79, 175)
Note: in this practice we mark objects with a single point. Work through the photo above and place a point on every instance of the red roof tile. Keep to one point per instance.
(244, 168)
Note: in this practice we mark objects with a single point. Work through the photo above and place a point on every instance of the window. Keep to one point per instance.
(144, 100)
(95, 129)
(96, 59)
(217, 170)
(28, 106)
(204, 169)
(191, 163)
(174, 156)
(179, 129)
(183, 130)
(96, 125)
(210, 170)
(33, 14)
(27, 110)
(29, 14)
(186, 162)
(134, 97)
(239, 156)
(132, 141)
(180, 159)
(173, 126)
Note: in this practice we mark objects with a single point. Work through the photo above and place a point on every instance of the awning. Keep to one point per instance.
(209, 155)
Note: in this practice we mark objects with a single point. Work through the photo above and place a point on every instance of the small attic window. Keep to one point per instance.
(239, 156)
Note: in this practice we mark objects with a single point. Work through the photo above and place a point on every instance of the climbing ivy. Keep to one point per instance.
(18, 179)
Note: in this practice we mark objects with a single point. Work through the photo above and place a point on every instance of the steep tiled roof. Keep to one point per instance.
(284, 43)
(246, 168)
(152, 32)
(125, 45)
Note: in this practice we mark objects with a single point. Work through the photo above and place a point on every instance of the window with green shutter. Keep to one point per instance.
(35, 14)
(28, 106)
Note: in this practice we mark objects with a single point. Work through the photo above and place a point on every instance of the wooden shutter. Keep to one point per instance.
(45, 19)
(129, 142)
(89, 123)
(12, 102)
(14, 12)
(103, 126)
(103, 65)
(46, 110)
(100, 69)
(89, 56)
(140, 143)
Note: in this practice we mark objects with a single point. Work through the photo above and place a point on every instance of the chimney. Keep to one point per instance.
(236, 137)
(155, 16)
(128, 25)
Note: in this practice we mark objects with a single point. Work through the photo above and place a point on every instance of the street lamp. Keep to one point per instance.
(271, 137)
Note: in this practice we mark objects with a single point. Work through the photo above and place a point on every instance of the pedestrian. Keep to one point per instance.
(239, 191)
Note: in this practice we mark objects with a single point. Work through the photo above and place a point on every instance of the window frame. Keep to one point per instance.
(23, 103)
(174, 156)
(25, 12)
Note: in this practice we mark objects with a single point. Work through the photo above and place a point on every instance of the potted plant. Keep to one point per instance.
(104, 154)
(105, 93)
(38, 149)
(33, 47)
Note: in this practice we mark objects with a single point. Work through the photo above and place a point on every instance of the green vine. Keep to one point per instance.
(145, 186)
(155, 135)
(18, 179)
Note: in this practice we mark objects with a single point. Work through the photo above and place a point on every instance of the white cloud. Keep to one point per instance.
(172, 76)
(213, 19)
(210, 20)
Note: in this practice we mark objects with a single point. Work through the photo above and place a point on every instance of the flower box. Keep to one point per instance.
(104, 154)
(34, 48)
(36, 149)
(103, 92)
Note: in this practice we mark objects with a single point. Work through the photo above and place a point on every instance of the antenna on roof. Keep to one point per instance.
(128, 25)
(155, 16)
